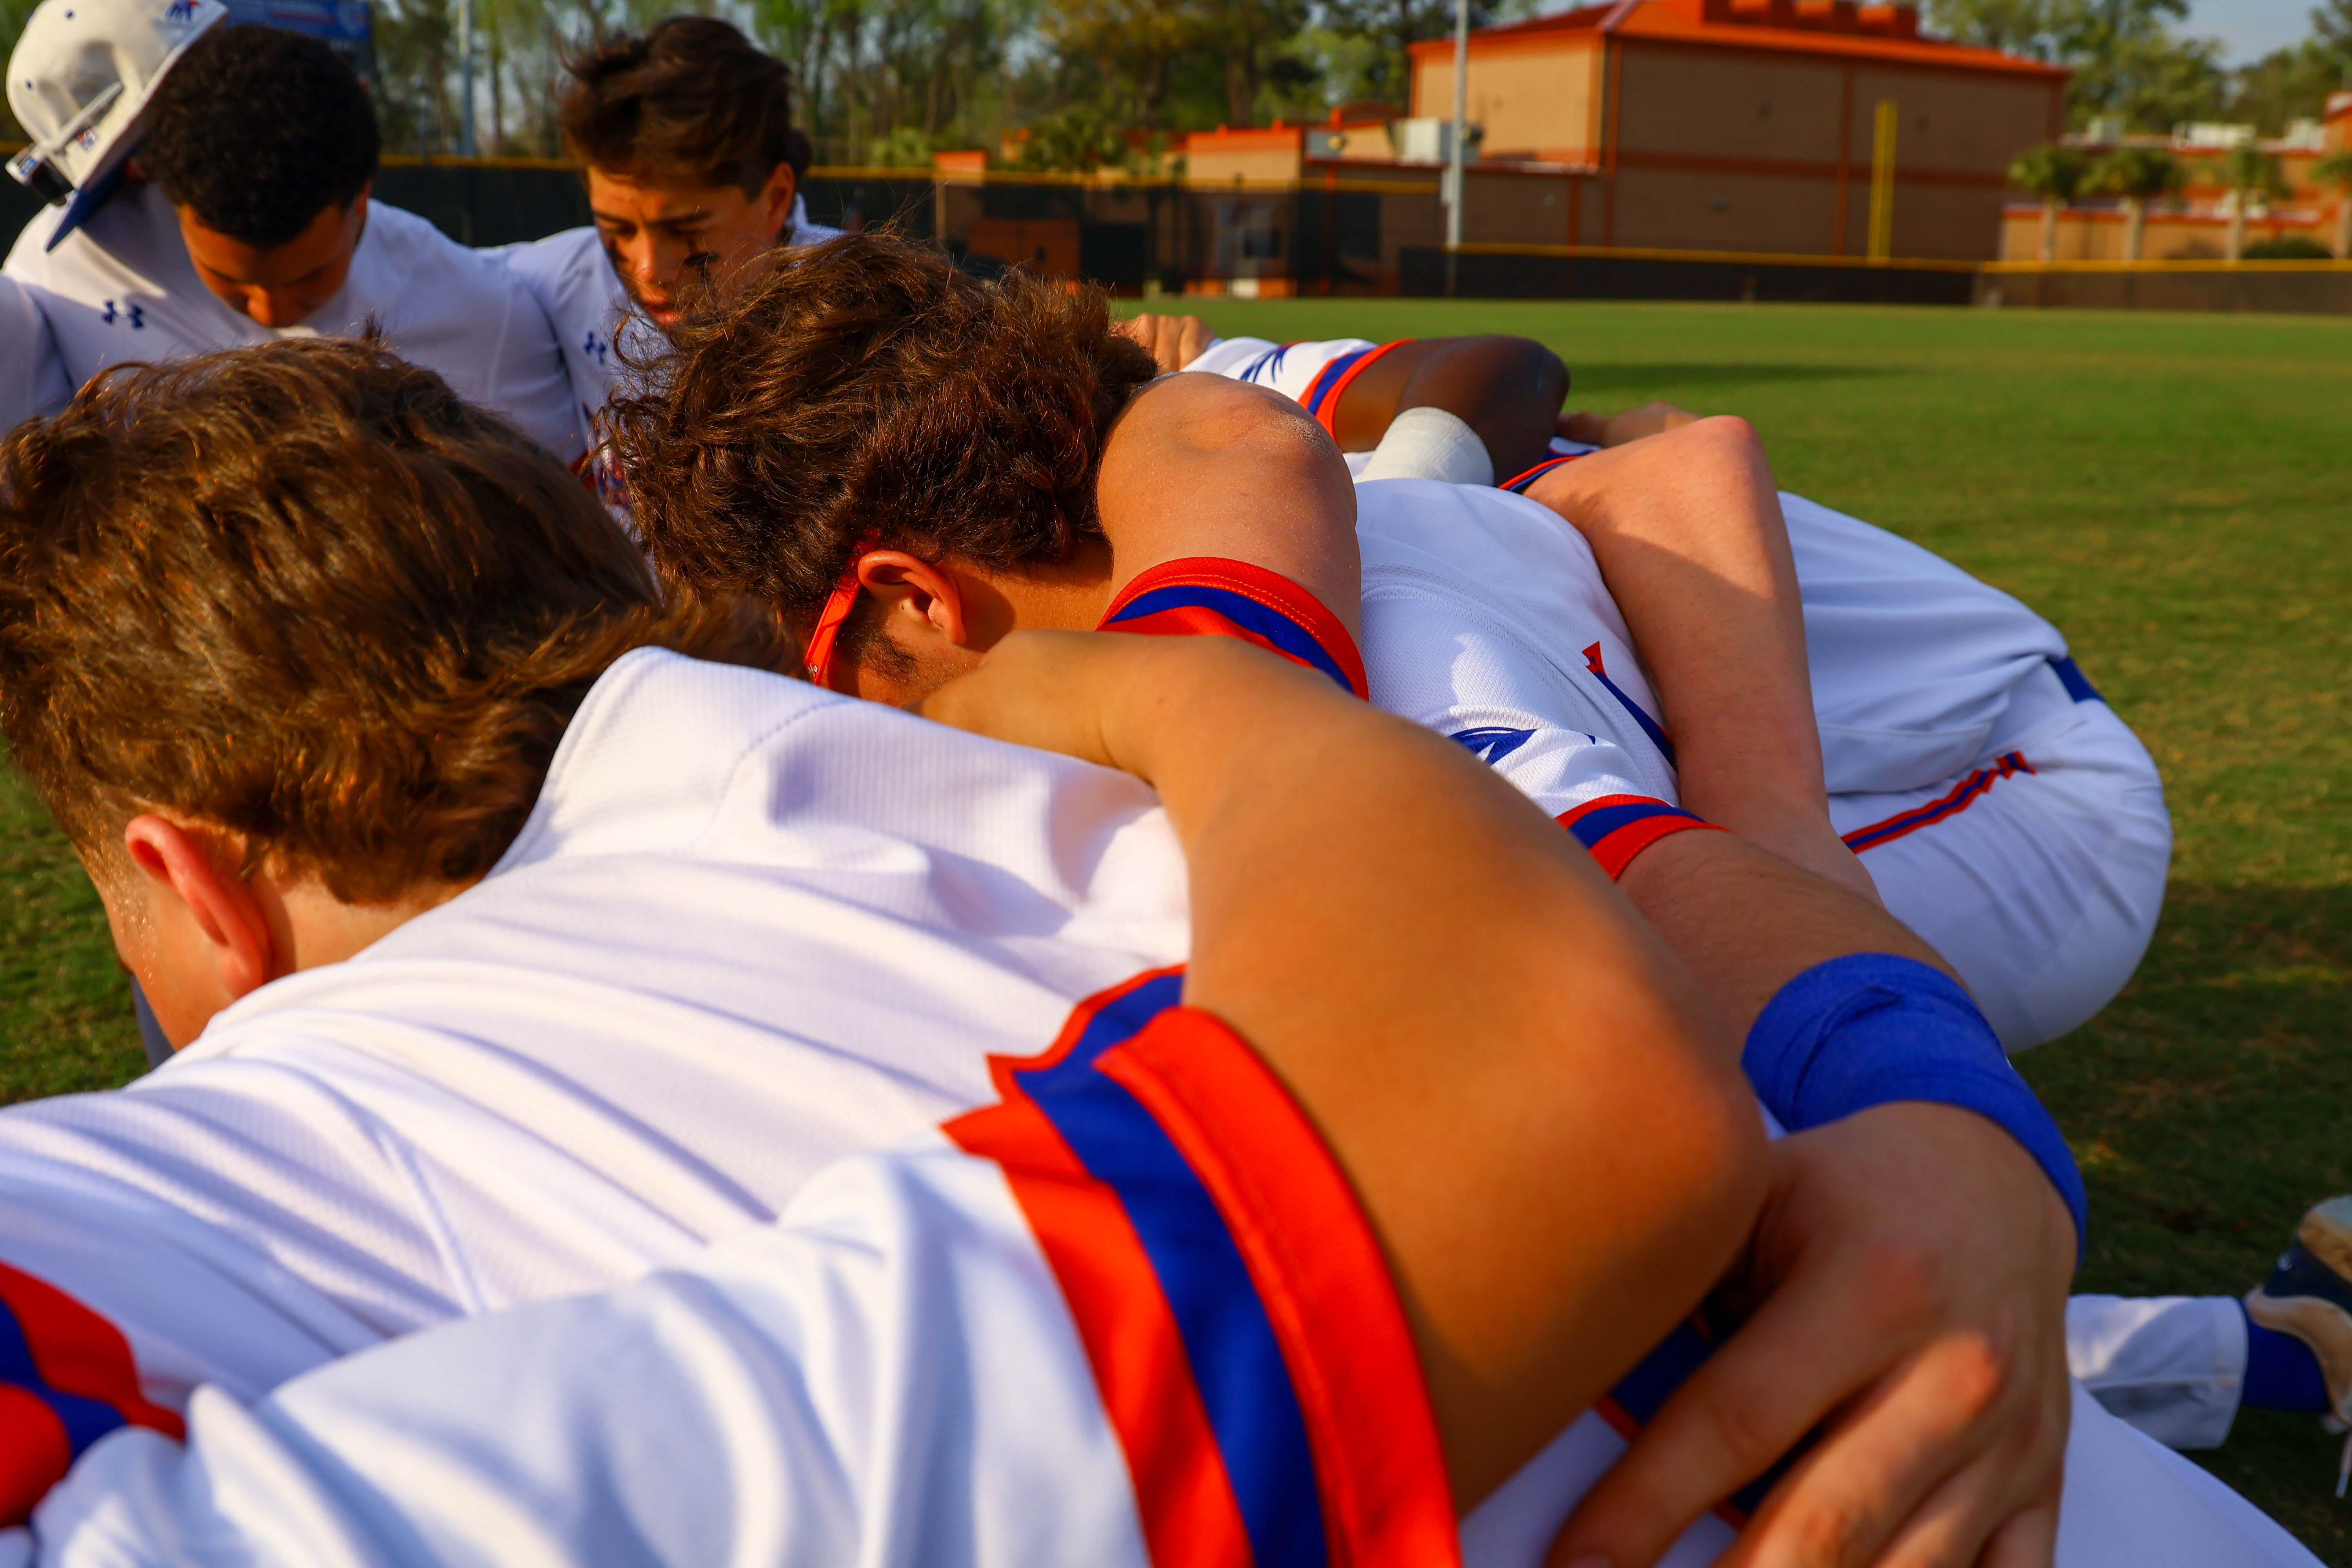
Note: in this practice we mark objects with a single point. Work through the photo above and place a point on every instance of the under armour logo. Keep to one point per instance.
(1491, 743)
(595, 345)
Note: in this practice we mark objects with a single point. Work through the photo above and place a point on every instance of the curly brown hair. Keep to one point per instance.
(690, 101)
(866, 385)
(304, 592)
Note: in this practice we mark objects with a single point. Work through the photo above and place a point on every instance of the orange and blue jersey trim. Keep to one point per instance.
(1642, 1393)
(1243, 1331)
(1953, 802)
(1210, 597)
(1322, 395)
(1519, 483)
(1613, 829)
(67, 1379)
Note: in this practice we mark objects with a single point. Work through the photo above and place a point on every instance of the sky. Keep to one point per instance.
(2250, 30)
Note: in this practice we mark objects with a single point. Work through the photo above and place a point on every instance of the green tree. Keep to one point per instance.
(2284, 86)
(1394, 24)
(2125, 57)
(1079, 140)
(1248, 36)
(867, 71)
(2335, 169)
(2137, 174)
(2331, 29)
(2055, 173)
(1133, 45)
(2252, 175)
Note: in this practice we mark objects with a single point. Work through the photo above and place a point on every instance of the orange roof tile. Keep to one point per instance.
(1687, 21)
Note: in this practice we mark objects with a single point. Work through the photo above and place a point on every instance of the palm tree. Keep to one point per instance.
(2055, 173)
(2335, 169)
(2136, 174)
(2249, 172)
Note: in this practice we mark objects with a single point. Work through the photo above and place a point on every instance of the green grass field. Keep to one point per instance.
(2175, 491)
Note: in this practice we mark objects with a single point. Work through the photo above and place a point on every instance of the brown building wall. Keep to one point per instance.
(1712, 146)
(1675, 209)
(1535, 100)
(1725, 150)
(1724, 103)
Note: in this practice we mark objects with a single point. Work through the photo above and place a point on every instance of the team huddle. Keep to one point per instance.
(706, 1011)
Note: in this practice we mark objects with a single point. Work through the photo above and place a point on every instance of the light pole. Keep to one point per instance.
(1454, 152)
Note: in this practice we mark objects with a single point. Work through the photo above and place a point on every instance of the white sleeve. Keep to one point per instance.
(888, 1374)
(33, 381)
(235, 1226)
(1291, 369)
(1135, 1300)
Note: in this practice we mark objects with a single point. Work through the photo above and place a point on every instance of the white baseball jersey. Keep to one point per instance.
(570, 276)
(750, 928)
(121, 288)
(32, 377)
(1312, 374)
(2006, 813)
(1127, 1317)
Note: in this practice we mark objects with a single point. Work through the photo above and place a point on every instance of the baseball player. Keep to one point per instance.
(211, 186)
(2006, 814)
(685, 137)
(1141, 1310)
(2179, 1368)
(904, 538)
(559, 955)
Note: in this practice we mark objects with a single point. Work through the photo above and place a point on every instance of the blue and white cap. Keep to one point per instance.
(80, 82)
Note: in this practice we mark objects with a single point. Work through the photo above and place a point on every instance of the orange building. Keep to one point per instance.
(2196, 225)
(1712, 125)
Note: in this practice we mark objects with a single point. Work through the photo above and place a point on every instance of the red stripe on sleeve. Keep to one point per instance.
(1326, 410)
(78, 1351)
(1614, 829)
(34, 1452)
(1268, 588)
(1311, 1253)
(1191, 1518)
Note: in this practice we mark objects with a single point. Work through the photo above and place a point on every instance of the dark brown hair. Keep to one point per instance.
(689, 102)
(303, 591)
(259, 131)
(866, 385)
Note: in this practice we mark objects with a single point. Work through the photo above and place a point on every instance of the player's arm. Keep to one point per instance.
(1539, 1257)
(1686, 530)
(1529, 1258)
(1508, 389)
(1204, 469)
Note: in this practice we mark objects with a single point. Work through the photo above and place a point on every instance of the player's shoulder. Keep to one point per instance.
(27, 259)
(555, 260)
(134, 233)
(407, 255)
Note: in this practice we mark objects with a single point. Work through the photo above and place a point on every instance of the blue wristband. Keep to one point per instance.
(1871, 1028)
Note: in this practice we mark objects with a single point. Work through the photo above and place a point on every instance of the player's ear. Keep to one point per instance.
(775, 200)
(202, 903)
(921, 602)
